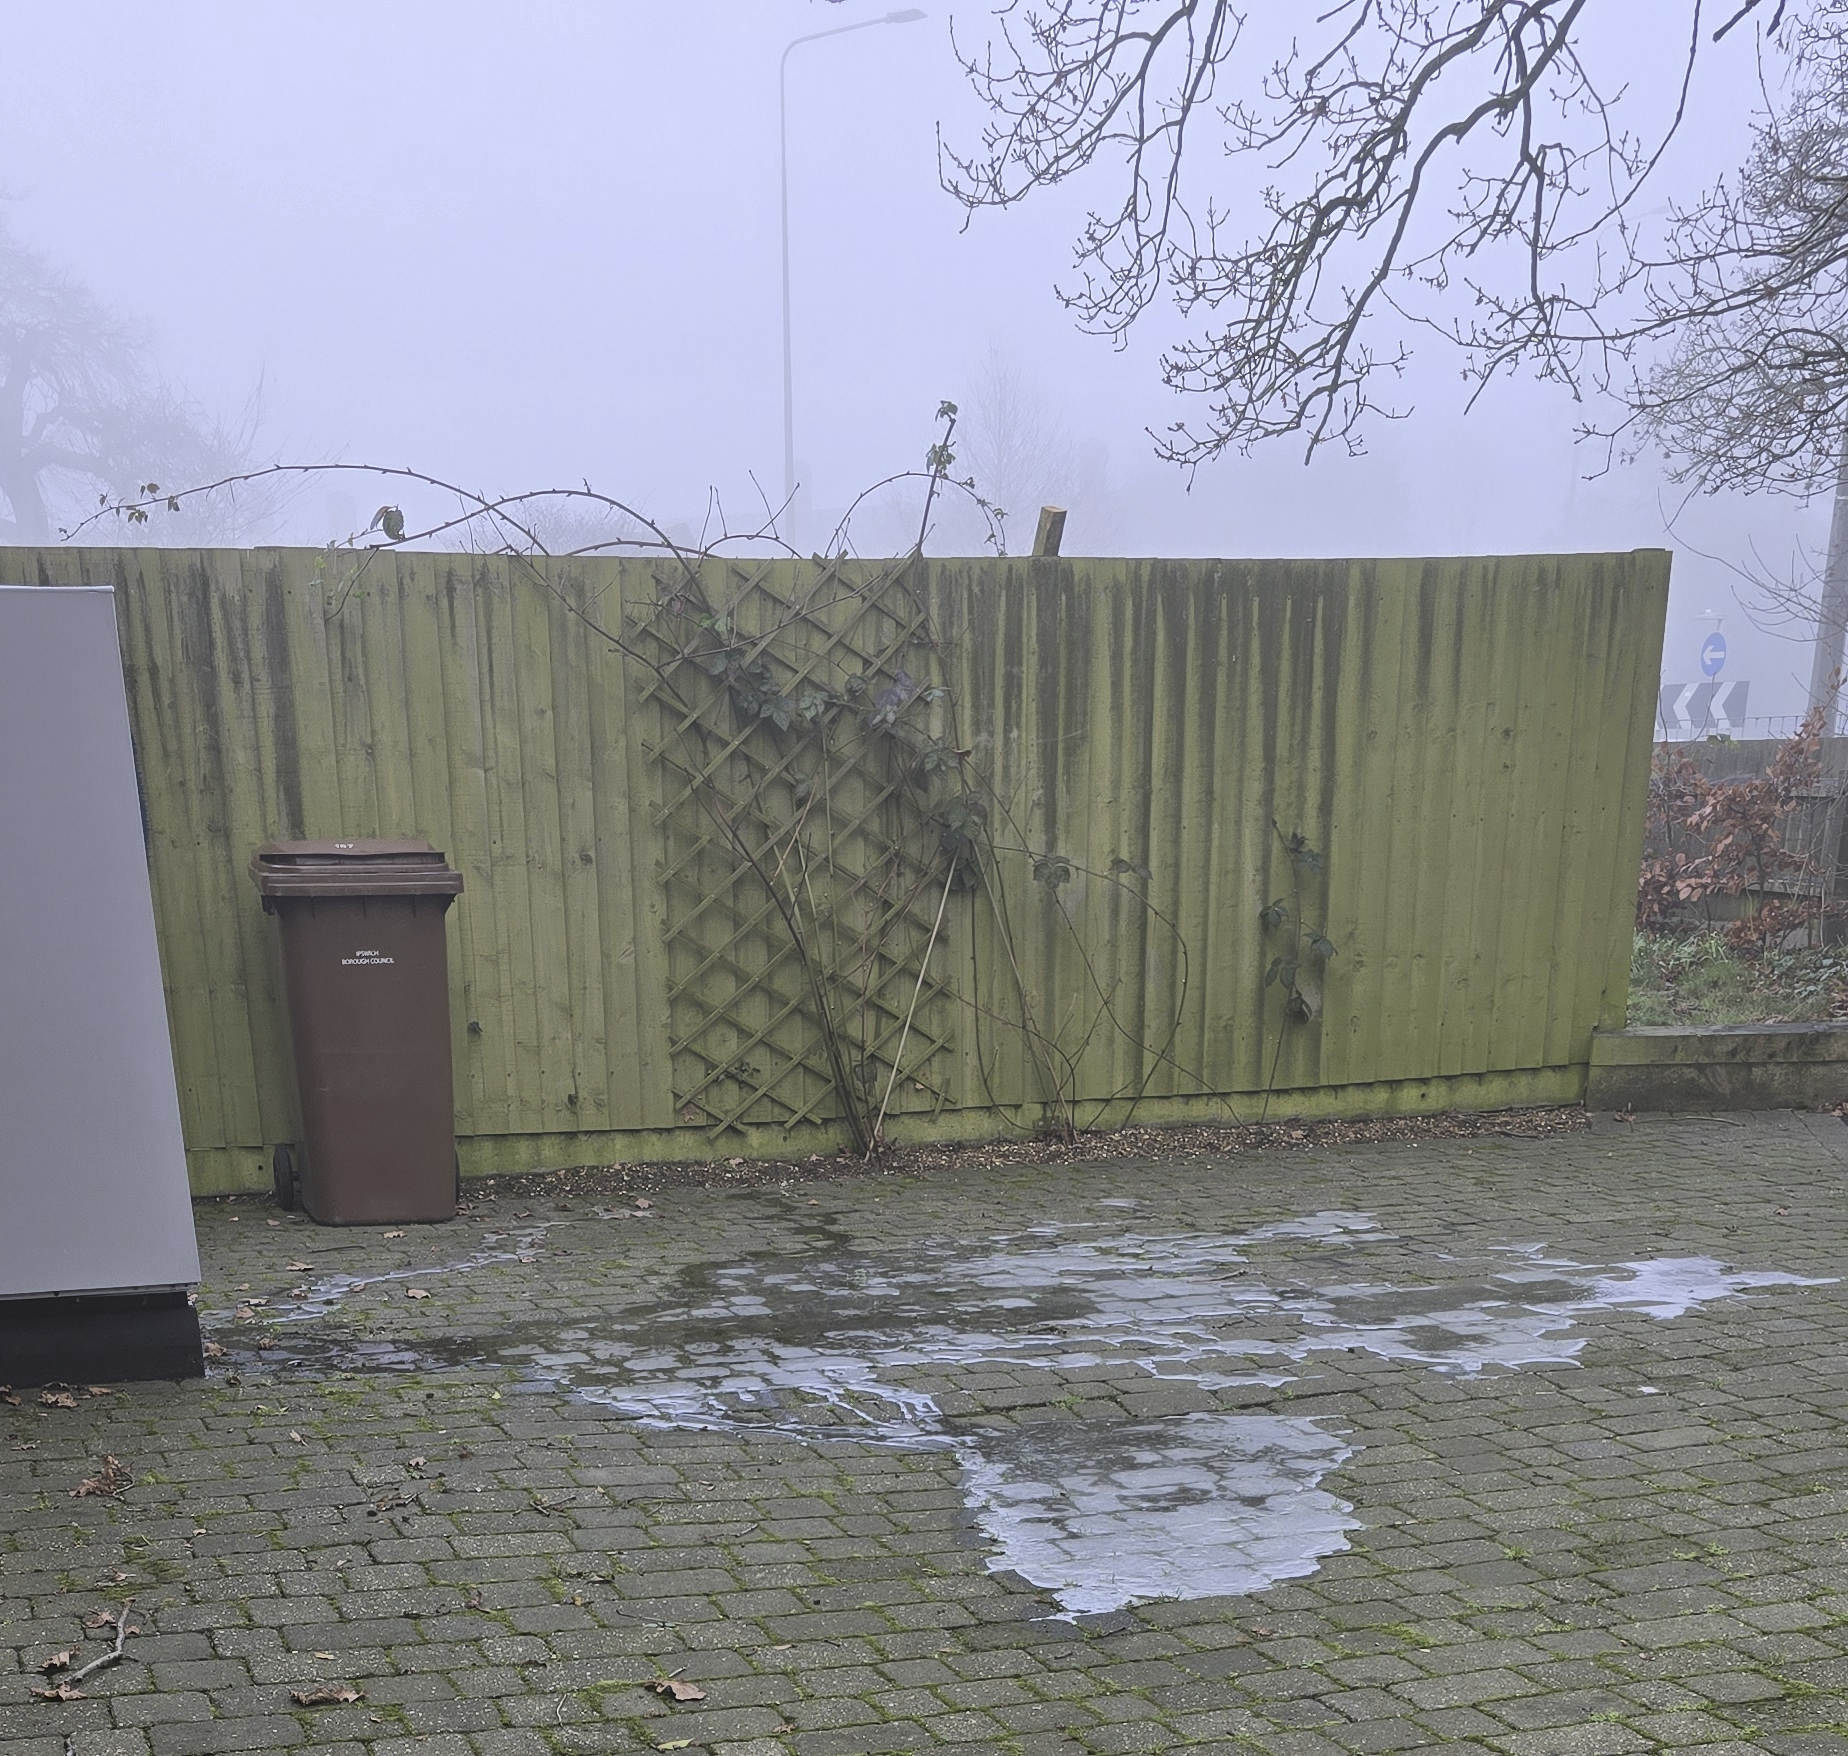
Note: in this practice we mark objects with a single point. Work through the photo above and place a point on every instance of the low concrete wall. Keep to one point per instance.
(1719, 1067)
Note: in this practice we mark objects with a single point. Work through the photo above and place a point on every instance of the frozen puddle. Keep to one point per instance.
(843, 1344)
(1192, 1506)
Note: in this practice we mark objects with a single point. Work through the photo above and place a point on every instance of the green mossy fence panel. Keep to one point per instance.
(1466, 741)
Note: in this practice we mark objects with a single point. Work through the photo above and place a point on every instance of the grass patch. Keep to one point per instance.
(1697, 978)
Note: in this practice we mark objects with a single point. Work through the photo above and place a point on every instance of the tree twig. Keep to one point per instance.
(96, 1664)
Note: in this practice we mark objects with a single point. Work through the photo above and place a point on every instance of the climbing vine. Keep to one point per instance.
(833, 841)
(1298, 967)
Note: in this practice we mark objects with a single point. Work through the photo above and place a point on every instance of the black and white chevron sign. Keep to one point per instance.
(1695, 710)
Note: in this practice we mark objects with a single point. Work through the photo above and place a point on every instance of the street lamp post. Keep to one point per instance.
(905, 15)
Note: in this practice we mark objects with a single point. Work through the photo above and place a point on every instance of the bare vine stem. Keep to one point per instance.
(775, 851)
(904, 1036)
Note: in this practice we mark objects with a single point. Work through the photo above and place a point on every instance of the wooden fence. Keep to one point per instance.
(1464, 744)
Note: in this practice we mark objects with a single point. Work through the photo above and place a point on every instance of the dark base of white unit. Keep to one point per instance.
(99, 1338)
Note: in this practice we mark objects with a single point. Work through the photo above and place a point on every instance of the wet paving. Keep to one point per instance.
(832, 1341)
(1508, 1446)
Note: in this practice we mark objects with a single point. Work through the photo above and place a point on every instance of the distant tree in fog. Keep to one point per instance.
(1023, 454)
(1017, 450)
(84, 414)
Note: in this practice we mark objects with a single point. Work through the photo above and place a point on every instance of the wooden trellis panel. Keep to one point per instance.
(796, 861)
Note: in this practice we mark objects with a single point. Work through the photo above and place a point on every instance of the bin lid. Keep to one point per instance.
(353, 868)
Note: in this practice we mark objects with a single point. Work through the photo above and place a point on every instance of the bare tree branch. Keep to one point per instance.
(1452, 166)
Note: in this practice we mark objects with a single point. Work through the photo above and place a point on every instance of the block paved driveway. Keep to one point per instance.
(1538, 1460)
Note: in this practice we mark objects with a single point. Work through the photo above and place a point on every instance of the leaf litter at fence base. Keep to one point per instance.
(828, 1342)
(1154, 1144)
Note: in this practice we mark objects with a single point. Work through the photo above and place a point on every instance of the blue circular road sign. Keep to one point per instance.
(1713, 654)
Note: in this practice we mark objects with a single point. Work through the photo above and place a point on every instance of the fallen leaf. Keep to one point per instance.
(642, 1201)
(99, 1390)
(214, 1350)
(264, 1341)
(417, 1463)
(59, 1661)
(325, 1695)
(394, 1234)
(59, 1692)
(7, 1396)
(100, 1619)
(273, 1222)
(108, 1481)
(297, 1267)
(57, 1399)
(200, 1530)
(675, 1744)
(299, 1440)
(329, 1656)
(679, 1690)
(415, 1293)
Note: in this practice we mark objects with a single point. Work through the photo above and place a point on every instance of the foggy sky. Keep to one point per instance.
(521, 246)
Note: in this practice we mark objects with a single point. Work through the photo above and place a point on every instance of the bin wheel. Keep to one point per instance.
(282, 1172)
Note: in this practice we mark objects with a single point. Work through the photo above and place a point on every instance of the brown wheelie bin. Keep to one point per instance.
(366, 977)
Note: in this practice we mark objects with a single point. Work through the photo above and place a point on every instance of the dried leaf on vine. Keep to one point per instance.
(1052, 870)
(890, 702)
(1302, 855)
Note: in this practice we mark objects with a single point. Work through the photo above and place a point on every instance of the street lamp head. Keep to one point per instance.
(905, 15)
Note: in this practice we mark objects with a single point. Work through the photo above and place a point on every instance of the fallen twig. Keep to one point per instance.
(65, 1689)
